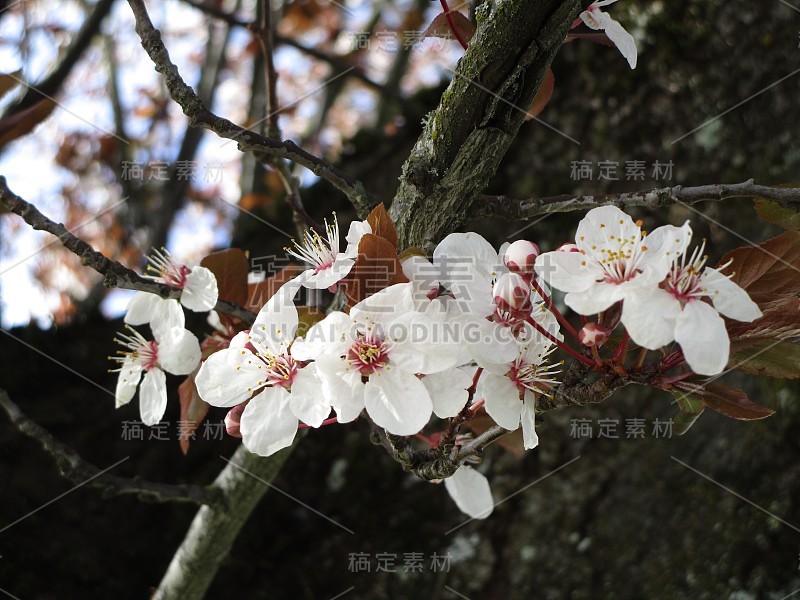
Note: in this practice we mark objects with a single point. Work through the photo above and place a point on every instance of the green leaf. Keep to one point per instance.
(768, 358)
(691, 407)
(770, 211)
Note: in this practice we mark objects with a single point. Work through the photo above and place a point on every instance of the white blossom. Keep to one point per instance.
(198, 287)
(174, 350)
(677, 310)
(259, 366)
(328, 266)
(371, 358)
(596, 19)
(470, 490)
(615, 261)
(510, 390)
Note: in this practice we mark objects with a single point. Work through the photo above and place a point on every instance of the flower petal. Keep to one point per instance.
(229, 377)
(276, 323)
(530, 439)
(141, 308)
(128, 381)
(268, 424)
(650, 317)
(728, 298)
(307, 402)
(166, 315)
(178, 351)
(153, 397)
(384, 306)
(448, 391)
(568, 271)
(470, 490)
(200, 292)
(341, 387)
(502, 400)
(596, 299)
(703, 338)
(622, 39)
(397, 401)
(332, 336)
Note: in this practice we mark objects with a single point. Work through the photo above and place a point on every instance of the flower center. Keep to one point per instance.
(317, 251)
(281, 370)
(683, 280)
(535, 377)
(619, 255)
(167, 269)
(143, 352)
(368, 355)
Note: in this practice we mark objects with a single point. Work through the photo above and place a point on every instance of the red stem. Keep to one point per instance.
(622, 349)
(577, 355)
(552, 308)
(330, 421)
(448, 14)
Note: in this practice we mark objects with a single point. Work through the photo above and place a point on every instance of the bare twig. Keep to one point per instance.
(247, 141)
(114, 273)
(76, 469)
(51, 84)
(511, 209)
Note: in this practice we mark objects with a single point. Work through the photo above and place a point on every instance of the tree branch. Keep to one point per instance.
(514, 210)
(76, 469)
(247, 141)
(580, 387)
(114, 273)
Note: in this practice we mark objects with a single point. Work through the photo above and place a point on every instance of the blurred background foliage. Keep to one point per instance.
(626, 520)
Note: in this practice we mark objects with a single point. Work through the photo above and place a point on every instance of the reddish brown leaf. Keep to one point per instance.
(9, 81)
(768, 358)
(25, 121)
(440, 27)
(259, 293)
(230, 267)
(193, 410)
(732, 402)
(780, 322)
(376, 268)
(770, 272)
(382, 224)
(542, 96)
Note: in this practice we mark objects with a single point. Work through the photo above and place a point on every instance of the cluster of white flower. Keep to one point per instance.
(662, 292)
(470, 329)
(174, 349)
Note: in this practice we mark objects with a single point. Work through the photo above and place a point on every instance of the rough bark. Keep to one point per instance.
(242, 482)
(479, 115)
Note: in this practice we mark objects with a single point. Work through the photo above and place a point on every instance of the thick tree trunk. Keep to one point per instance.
(479, 115)
(243, 482)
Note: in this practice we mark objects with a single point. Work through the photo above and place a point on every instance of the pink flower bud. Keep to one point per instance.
(593, 334)
(568, 248)
(520, 256)
(233, 419)
(512, 294)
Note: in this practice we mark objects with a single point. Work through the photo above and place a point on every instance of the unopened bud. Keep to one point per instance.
(512, 294)
(520, 256)
(568, 248)
(233, 420)
(593, 334)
